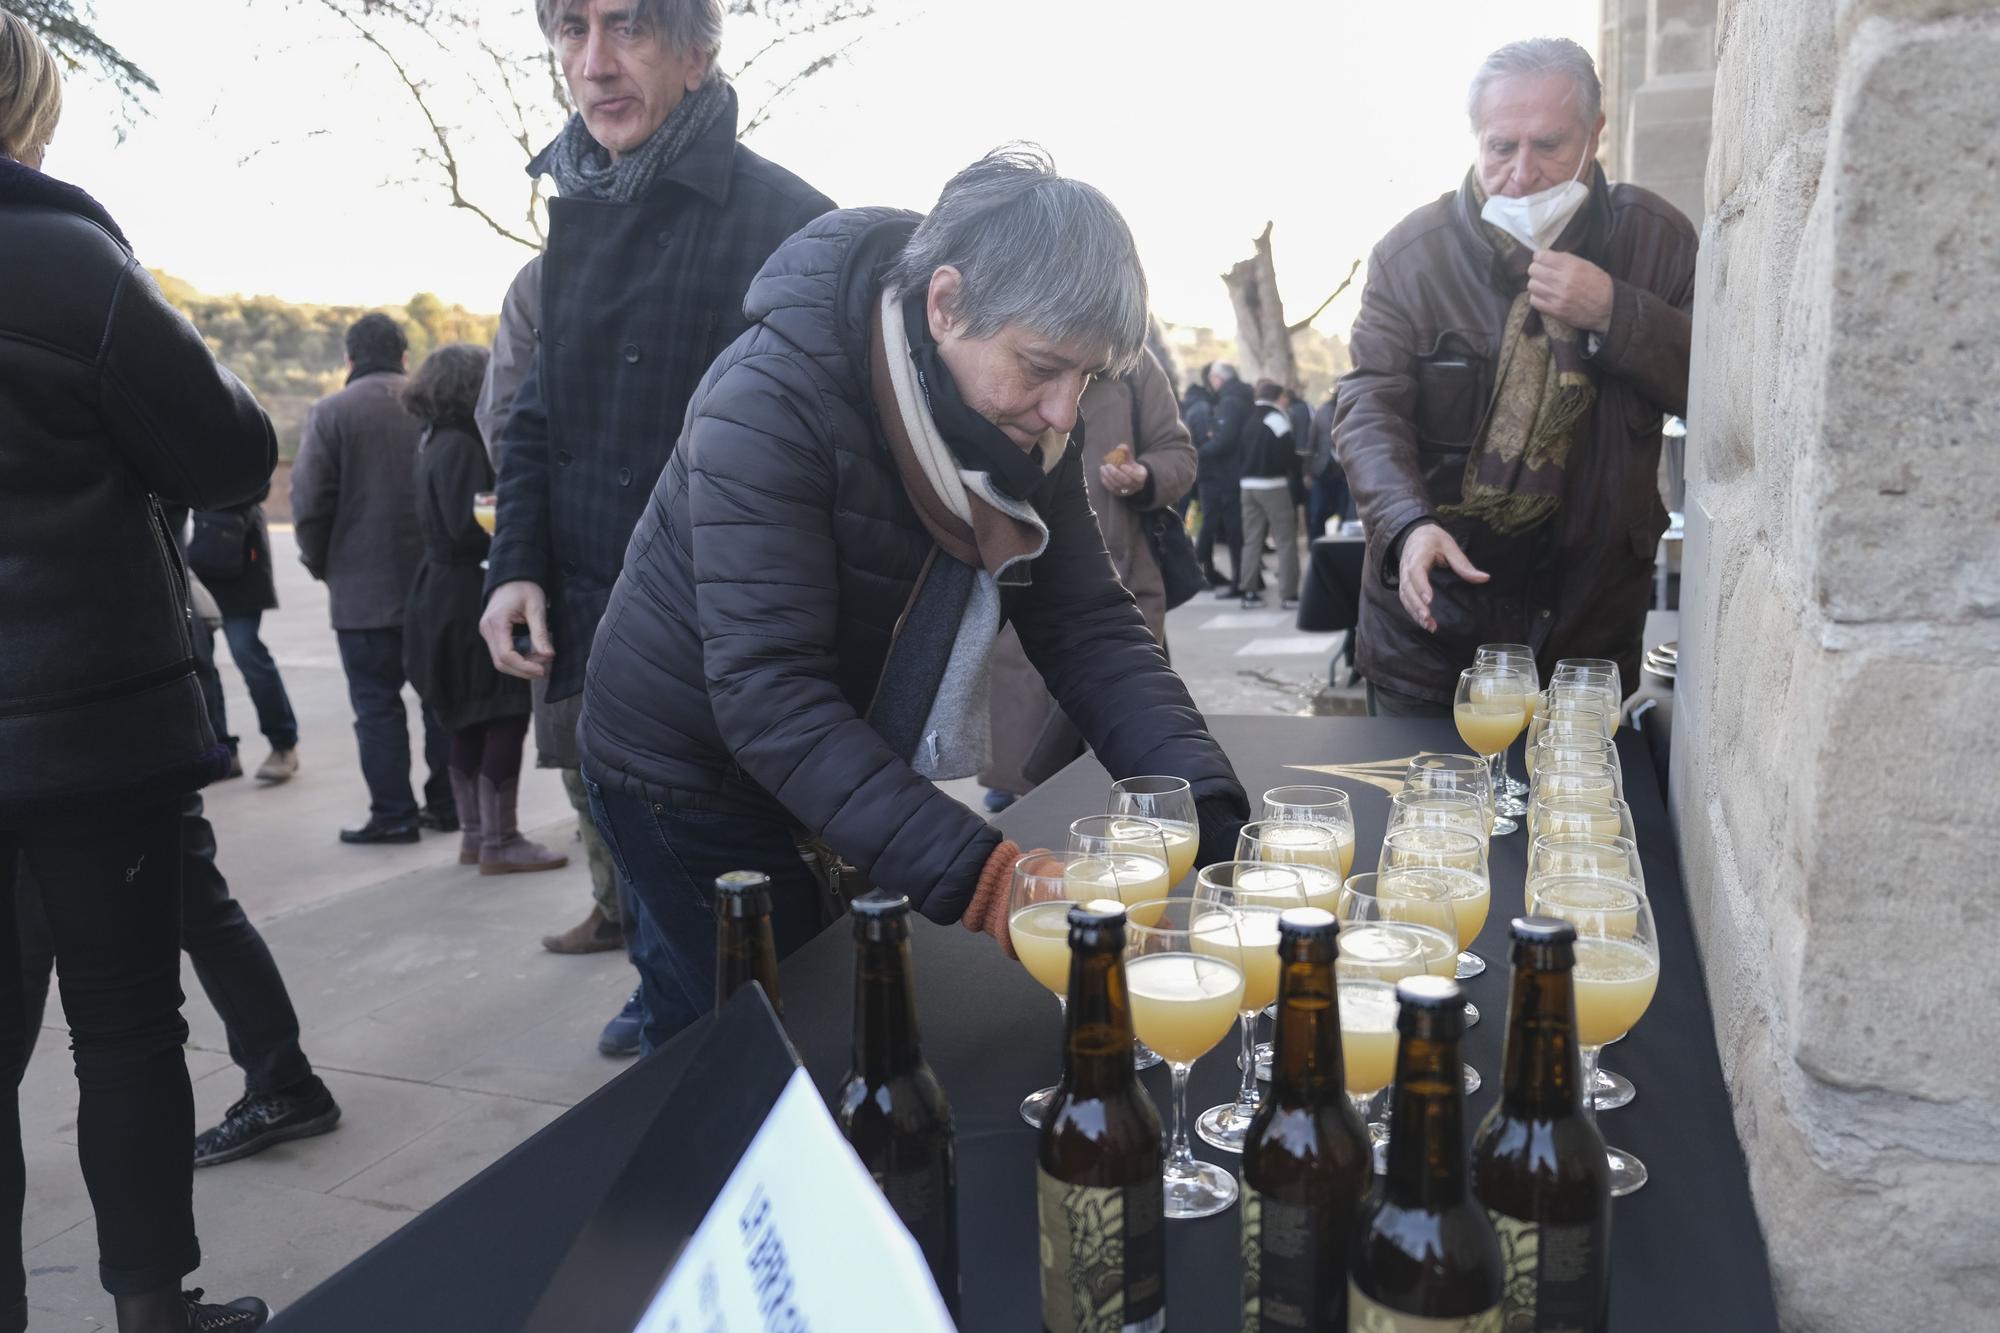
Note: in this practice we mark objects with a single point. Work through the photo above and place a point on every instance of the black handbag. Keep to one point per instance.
(218, 550)
(1166, 533)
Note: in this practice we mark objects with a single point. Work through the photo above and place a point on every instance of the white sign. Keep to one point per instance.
(799, 1241)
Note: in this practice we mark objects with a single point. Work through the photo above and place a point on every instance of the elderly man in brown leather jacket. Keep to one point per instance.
(1518, 344)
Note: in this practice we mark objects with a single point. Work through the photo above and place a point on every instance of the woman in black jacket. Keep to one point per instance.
(230, 552)
(868, 482)
(109, 404)
(443, 655)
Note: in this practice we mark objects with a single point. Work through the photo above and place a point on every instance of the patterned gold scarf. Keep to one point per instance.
(1514, 472)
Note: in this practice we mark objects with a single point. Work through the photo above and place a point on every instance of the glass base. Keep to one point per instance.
(1472, 1079)
(1470, 964)
(1628, 1173)
(1610, 1091)
(1511, 805)
(1515, 787)
(1226, 1126)
(1204, 1191)
(1035, 1106)
(1502, 826)
(1143, 1056)
(1471, 1014)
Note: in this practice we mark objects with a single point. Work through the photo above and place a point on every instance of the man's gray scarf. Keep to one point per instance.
(584, 170)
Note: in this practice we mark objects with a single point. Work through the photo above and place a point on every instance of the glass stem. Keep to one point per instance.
(1591, 1054)
(1500, 777)
(1246, 1099)
(1180, 1157)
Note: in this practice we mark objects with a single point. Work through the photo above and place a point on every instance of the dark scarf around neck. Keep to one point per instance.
(976, 442)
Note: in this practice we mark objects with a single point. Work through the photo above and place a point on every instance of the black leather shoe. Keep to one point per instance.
(437, 820)
(375, 831)
(264, 1119)
(243, 1315)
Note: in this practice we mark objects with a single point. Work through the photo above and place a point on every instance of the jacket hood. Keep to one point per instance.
(817, 289)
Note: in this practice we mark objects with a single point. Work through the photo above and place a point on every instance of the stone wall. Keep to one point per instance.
(1658, 66)
(1834, 780)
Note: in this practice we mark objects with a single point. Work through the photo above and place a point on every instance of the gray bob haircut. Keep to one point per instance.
(684, 25)
(1033, 249)
(1541, 55)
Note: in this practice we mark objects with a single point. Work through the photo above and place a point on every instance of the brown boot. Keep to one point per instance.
(465, 790)
(596, 933)
(502, 849)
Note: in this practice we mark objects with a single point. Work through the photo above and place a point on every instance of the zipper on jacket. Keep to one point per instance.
(923, 574)
(177, 587)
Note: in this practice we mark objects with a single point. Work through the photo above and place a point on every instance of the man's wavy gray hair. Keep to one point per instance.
(1541, 55)
(1035, 249)
(684, 25)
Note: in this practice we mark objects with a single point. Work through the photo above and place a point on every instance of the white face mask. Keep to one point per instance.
(1536, 220)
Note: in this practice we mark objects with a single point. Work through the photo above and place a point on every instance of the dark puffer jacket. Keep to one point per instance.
(109, 403)
(744, 640)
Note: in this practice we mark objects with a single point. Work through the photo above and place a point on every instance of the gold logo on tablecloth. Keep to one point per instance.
(1384, 773)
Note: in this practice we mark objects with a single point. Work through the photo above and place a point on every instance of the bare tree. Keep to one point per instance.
(1263, 337)
(70, 29)
(487, 92)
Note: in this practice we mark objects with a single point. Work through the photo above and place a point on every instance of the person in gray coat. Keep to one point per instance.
(354, 509)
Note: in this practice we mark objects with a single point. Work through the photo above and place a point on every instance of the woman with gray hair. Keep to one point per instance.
(870, 480)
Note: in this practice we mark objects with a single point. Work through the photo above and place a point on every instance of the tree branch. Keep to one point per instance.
(1345, 283)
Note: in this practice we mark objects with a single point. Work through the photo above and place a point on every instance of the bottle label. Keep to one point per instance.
(1286, 1283)
(1104, 1257)
(1370, 1316)
(1554, 1276)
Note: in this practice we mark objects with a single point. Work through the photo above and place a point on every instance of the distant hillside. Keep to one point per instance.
(290, 354)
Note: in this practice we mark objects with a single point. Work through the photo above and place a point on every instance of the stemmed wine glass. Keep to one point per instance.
(1491, 709)
(1136, 850)
(1379, 920)
(1168, 802)
(1186, 988)
(1617, 971)
(1329, 806)
(1599, 674)
(1464, 877)
(1045, 886)
(1521, 658)
(1368, 1048)
(1257, 893)
(1312, 849)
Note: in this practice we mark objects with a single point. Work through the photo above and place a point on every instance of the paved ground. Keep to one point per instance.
(444, 1029)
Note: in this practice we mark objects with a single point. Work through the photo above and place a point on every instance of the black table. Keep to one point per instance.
(1687, 1252)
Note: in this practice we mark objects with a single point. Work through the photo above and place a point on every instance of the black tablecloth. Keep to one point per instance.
(1687, 1252)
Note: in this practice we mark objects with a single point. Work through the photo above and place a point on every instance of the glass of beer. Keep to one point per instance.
(1583, 779)
(1310, 848)
(1168, 802)
(486, 511)
(1617, 973)
(1416, 807)
(1491, 709)
(1045, 886)
(1557, 854)
(1368, 1048)
(1316, 805)
(1136, 849)
(1518, 657)
(1571, 814)
(1186, 986)
(1395, 933)
(1459, 860)
(1257, 893)
(1571, 743)
(1599, 675)
(1460, 774)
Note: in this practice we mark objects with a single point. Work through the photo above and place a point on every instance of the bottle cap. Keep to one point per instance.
(1096, 912)
(880, 905)
(1542, 930)
(1432, 1008)
(1306, 923)
(1426, 992)
(741, 881)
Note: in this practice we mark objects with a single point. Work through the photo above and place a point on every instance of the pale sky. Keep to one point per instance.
(280, 158)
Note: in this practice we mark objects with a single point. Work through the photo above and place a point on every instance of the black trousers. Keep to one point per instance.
(1221, 519)
(109, 886)
(373, 659)
(230, 959)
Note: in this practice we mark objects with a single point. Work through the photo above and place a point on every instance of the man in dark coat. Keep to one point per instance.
(230, 552)
(1326, 484)
(663, 220)
(354, 509)
(1518, 343)
(1219, 482)
(870, 480)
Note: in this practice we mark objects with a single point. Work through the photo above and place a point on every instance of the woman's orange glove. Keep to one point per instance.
(988, 909)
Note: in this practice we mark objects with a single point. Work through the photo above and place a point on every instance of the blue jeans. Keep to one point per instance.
(260, 673)
(374, 662)
(671, 855)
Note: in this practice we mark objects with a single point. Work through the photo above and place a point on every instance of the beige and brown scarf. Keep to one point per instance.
(1543, 390)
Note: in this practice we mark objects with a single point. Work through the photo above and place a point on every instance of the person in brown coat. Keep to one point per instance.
(1137, 456)
(1518, 344)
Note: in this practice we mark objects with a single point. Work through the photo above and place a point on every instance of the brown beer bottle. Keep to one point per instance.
(744, 947)
(1425, 1259)
(891, 1106)
(1538, 1162)
(1306, 1159)
(1099, 1159)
